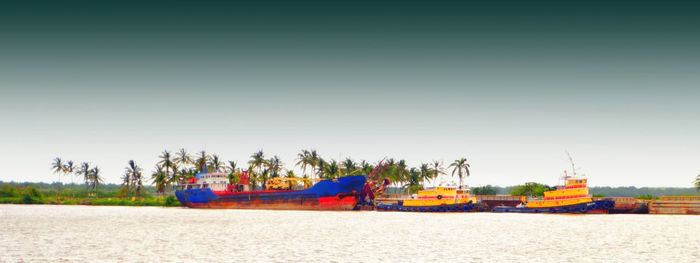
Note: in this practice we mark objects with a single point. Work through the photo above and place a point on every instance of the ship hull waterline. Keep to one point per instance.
(465, 207)
(595, 207)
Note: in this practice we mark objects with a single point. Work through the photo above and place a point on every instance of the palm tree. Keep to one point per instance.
(331, 169)
(304, 160)
(126, 184)
(159, 178)
(216, 163)
(58, 167)
(274, 166)
(413, 179)
(182, 157)
(320, 165)
(349, 166)
(316, 162)
(697, 182)
(437, 170)
(257, 161)
(425, 172)
(401, 172)
(95, 178)
(290, 174)
(134, 174)
(175, 178)
(252, 177)
(84, 170)
(461, 167)
(232, 166)
(166, 163)
(365, 167)
(202, 161)
(69, 168)
(232, 170)
(186, 173)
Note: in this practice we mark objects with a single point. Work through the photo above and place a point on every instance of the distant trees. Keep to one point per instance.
(485, 190)
(274, 166)
(201, 161)
(331, 169)
(160, 178)
(348, 166)
(310, 159)
(216, 163)
(176, 168)
(132, 180)
(91, 176)
(530, 189)
(697, 182)
(413, 181)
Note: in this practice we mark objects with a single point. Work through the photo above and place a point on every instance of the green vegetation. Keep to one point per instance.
(404, 179)
(530, 189)
(631, 191)
(622, 191)
(485, 190)
(647, 197)
(74, 194)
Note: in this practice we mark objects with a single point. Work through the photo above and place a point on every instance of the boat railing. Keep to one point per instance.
(190, 186)
(500, 197)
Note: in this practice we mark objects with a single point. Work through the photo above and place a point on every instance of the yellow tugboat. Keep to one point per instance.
(572, 197)
(437, 199)
(573, 192)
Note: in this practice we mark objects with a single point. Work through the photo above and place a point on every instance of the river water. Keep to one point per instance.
(38, 233)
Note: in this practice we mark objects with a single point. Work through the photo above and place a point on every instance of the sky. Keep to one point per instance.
(509, 85)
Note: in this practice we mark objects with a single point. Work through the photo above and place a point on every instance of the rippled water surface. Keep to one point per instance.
(82, 233)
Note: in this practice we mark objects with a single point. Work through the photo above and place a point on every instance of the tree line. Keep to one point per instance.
(90, 175)
(181, 166)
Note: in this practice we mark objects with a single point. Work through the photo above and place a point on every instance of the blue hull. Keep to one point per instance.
(443, 208)
(599, 205)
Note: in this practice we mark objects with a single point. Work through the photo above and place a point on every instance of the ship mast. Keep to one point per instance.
(573, 169)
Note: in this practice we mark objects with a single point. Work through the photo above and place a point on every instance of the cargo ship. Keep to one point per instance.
(213, 190)
(572, 197)
(437, 199)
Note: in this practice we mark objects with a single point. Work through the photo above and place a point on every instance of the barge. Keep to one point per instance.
(675, 205)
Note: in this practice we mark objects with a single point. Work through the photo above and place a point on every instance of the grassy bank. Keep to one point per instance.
(28, 193)
(168, 201)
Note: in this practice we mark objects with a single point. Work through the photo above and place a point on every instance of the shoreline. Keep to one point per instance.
(168, 201)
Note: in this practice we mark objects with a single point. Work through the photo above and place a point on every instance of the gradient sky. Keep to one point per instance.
(511, 85)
